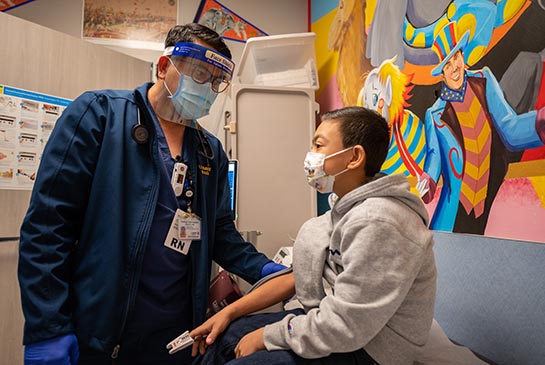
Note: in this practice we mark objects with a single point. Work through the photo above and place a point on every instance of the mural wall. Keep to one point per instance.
(462, 86)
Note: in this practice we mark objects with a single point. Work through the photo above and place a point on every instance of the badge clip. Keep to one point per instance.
(178, 178)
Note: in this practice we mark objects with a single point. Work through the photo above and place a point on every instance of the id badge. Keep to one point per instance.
(173, 239)
(178, 178)
(189, 225)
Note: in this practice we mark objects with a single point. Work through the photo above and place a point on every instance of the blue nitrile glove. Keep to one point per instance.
(62, 350)
(270, 268)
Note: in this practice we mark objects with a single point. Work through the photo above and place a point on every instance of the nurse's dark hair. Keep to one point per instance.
(193, 31)
(364, 127)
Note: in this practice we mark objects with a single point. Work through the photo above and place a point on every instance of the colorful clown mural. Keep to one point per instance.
(473, 74)
(387, 91)
(470, 129)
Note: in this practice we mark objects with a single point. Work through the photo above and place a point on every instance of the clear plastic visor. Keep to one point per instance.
(202, 65)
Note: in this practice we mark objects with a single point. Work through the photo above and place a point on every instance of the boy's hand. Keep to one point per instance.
(252, 342)
(206, 333)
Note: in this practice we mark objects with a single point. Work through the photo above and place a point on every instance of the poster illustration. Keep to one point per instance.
(27, 119)
(10, 4)
(225, 22)
(144, 26)
(461, 84)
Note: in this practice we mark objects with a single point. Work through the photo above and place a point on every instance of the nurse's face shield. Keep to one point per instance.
(202, 64)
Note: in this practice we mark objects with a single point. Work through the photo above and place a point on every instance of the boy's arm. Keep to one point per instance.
(271, 292)
(380, 265)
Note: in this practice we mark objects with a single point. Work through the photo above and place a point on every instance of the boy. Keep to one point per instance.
(373, 248)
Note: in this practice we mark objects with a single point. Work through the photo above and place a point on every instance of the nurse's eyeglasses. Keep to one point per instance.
(202, 73)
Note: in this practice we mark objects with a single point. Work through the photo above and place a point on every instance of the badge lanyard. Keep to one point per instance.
(182, 182)
(186, 225)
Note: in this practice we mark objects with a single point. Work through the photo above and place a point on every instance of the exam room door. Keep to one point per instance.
(274, 129)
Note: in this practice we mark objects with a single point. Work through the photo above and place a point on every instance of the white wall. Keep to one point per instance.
(273, 17)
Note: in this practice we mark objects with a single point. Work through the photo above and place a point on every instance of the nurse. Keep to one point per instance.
(129, 208)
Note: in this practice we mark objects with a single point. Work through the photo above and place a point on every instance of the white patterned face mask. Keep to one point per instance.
(314, 171)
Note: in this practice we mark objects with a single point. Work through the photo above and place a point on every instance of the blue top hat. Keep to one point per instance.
(446, 44)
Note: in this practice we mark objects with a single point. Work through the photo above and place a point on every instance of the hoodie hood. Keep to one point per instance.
(380, 186)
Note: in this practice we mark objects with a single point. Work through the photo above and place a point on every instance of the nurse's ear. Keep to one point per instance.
(162, 66)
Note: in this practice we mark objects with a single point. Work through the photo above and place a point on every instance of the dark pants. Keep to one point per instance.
(222, 351)
(141, 349)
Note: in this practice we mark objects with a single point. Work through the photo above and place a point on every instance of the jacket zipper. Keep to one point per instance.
(132, 282)
(116, 351)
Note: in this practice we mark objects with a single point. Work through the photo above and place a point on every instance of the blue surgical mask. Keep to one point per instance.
(192, 100)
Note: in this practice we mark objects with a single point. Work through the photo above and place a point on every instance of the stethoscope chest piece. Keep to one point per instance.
(139, 132)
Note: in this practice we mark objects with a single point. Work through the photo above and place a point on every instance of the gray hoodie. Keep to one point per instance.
(375, 251)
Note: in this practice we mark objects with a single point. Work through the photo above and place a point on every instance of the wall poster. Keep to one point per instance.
(226, 22)
(27, 119)
(462, 85)
(142, 24)
(6, 5)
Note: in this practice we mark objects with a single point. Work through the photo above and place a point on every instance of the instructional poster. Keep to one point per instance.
(27, 119)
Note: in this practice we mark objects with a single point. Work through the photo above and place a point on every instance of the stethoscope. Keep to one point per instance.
(140, 134)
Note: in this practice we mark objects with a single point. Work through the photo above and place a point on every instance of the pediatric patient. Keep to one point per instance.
(372, 248)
